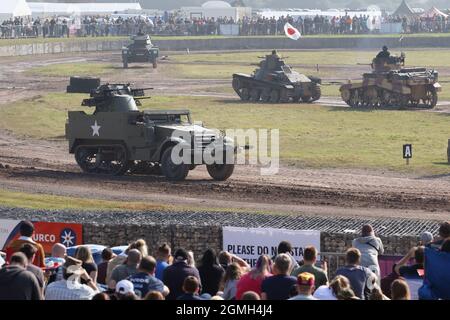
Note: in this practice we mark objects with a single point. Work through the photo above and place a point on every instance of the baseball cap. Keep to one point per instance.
(426, 237)
(124, 287)
(181, 254)
(305, 279)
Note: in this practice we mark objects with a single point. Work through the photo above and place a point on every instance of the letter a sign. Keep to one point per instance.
(407, 152)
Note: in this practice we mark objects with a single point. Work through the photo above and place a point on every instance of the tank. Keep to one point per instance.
(140, 50)
(391, 84)
(276, 82)
(118, 138)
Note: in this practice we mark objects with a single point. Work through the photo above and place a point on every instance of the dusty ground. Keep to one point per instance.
(46, 167)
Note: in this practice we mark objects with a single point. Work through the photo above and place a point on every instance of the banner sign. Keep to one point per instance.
(250, 243)
(45, 233)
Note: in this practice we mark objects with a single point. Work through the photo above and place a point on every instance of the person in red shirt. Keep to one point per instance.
(26, 233)
(252, 280)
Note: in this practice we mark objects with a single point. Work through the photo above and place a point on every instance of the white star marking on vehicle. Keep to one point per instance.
(67, 238)
(95, 129)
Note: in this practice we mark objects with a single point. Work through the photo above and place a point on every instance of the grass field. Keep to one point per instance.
(50, 202)
(414, 57)
(311, 135)
(70, 69)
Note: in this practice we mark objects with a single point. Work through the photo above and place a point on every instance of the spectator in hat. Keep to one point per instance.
(191, 288)
(280, 284)
(309, 261)
(71, 288)
(252, 280)
(162, 260)
(286, 248)
(361, 278)
(144, 280)
(30, 251)
(370, 247)
(211, 273)
(124, 288)
(175, 274)
(107, 255)
(16, 283)
(332, 291)
(123, 271)
(444, 233)
(26, 230)
(426, 238)
(305, 287)
(84, 254)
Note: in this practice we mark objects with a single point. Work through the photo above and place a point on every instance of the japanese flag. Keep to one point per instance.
(291, 32)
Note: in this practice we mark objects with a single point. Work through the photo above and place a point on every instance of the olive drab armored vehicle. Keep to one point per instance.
(141, 50)
(392, 84)
(275, 82)
(118, 138)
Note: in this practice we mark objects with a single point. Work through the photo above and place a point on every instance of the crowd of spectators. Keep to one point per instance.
(96, 26)
(134, 274)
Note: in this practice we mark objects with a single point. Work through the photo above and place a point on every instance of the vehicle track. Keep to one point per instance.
(39, 166)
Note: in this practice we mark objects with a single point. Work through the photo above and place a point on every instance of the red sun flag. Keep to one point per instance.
(291, 32)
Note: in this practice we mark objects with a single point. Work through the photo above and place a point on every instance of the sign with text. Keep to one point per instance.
(407, 151)
(250, 243)
(45, 233)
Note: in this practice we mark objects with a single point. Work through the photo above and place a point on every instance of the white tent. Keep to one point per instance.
(14, 8)
(48, 8)
(433, 12)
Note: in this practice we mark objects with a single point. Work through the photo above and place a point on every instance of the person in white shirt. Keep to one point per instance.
(70, 288)
(331, 291)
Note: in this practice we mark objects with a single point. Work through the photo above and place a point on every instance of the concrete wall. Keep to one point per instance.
(238, 43)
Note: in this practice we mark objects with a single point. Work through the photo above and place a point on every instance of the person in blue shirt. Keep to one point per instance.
(145, 281)
(162, 262)
(278, 286)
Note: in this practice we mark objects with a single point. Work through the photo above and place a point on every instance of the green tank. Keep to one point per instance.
(392, 84)
(140, 50)
(276, 82)
(118, 138)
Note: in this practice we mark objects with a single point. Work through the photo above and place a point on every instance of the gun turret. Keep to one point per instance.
(115, 98)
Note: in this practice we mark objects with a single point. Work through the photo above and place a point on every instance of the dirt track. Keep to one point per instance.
(46, 167)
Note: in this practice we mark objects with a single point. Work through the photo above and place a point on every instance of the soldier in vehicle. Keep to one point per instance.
(384, 53)
(273, 61)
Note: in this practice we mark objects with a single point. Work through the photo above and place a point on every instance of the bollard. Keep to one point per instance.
(448, 151)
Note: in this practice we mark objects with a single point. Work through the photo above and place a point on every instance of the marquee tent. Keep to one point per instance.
(404, 10)
(14, 8)
(433, 12)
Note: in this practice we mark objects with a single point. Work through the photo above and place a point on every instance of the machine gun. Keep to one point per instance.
(116, 97)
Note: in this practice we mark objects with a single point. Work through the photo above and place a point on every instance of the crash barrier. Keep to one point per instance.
(225, 44)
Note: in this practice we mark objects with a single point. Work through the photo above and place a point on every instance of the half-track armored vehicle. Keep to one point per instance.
(275, 82)
(392, 84)
(118, 138)
(141, 50)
